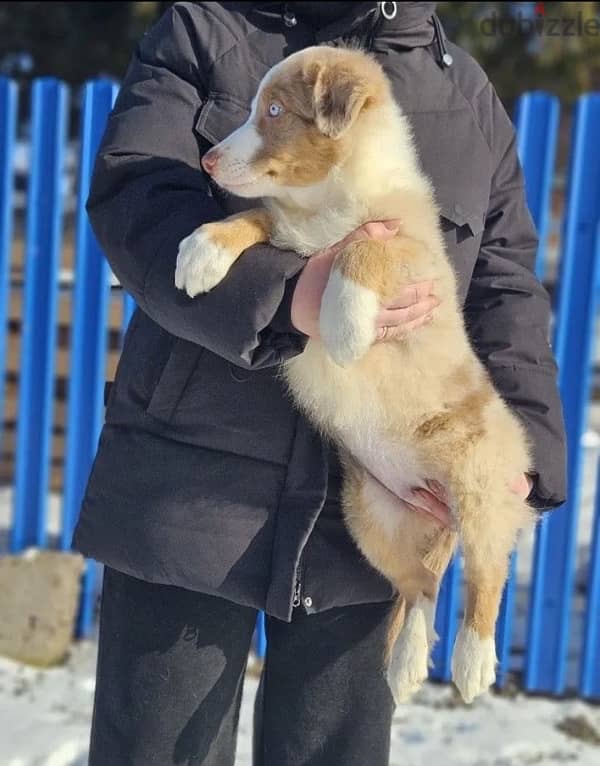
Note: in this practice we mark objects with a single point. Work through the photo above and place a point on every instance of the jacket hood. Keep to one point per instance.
(381, 25)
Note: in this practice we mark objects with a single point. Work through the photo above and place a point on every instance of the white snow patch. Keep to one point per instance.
(46, 717)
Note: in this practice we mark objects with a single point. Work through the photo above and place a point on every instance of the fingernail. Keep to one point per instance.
(391, 225)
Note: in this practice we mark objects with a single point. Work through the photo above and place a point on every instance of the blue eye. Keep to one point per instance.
(275, 109)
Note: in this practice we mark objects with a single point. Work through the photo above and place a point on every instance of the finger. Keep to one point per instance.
(400, 332)
(432, 504)
(394, 317)
(522, 486)
(381, 230)
(426, 513)
(411, 294)
(438, 490)
(398, 317)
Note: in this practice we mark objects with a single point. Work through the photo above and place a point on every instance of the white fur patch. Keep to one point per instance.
(201, 263)
(235, 170)
(409, 662)
(347, 320)
(384, 507)
(473, 663)
(242, 145)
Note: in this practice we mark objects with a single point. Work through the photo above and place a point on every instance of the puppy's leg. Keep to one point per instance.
(408, 664)
(412, 552)
(487, 544)
(363, 275)
(205, 257)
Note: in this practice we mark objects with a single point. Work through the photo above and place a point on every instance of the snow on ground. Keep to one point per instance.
(45, 717)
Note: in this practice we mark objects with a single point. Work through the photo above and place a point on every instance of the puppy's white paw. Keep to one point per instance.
(473, 663)
(347, 319)
(201, 263)
(409, 662)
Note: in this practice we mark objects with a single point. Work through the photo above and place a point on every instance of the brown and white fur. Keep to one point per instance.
(328, 149)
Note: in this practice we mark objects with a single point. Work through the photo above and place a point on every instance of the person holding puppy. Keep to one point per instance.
(212, 498)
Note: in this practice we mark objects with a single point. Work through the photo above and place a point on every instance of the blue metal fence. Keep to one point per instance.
(91, 294)
(8, 128)
(42, 262)
(552, 588)
(550, 600)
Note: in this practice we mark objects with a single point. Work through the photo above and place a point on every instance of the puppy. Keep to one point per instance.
(327, 148)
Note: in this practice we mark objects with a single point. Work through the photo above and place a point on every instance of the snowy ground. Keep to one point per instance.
(45, 719)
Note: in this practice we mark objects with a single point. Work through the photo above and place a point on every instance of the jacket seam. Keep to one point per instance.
(232, 47)
(523, 368)
(470, 103)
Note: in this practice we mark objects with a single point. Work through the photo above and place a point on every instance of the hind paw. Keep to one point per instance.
(409, 662)
(473, 663)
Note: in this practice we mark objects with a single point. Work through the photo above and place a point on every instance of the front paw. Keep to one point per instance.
(347, 319)
(202, 262)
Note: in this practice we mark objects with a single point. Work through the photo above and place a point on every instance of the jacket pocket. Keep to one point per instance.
(174, 378)
(459, 216)
(457, 160)
(219, 116)
(462, 225)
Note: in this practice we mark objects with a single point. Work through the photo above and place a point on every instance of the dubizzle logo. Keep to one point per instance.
(539, 23)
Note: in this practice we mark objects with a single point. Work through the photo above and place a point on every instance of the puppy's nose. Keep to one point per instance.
(209, 161)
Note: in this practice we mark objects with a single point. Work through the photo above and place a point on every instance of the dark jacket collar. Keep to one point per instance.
(411, 27)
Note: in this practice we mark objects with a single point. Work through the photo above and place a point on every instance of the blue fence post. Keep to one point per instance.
(8, 128)
(536, 120)
(552, 587)
(589, 679)
(446, 621)
(504, 626)
(128, 309)
(261, 636)
(42, 260)
(89, 336)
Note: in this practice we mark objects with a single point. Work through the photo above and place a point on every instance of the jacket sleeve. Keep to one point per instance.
(508, 313)
(148, 192)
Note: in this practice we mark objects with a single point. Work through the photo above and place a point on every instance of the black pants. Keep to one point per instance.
(170, 671)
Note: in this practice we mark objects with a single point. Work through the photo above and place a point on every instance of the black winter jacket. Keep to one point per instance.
(206, 477)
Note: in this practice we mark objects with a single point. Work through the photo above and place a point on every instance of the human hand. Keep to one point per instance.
(522, 486)
(410, 309)
(434, 500)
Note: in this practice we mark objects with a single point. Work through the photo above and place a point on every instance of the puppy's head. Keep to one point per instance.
(307, 110)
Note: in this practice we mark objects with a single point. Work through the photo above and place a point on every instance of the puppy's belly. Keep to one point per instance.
(396, 466)
(386, 510)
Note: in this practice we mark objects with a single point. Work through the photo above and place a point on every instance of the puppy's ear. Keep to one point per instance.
(339, 94)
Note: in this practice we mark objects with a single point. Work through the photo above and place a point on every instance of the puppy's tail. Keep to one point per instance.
(396, 621)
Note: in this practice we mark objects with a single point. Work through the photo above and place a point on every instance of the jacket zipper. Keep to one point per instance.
(297, 600)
